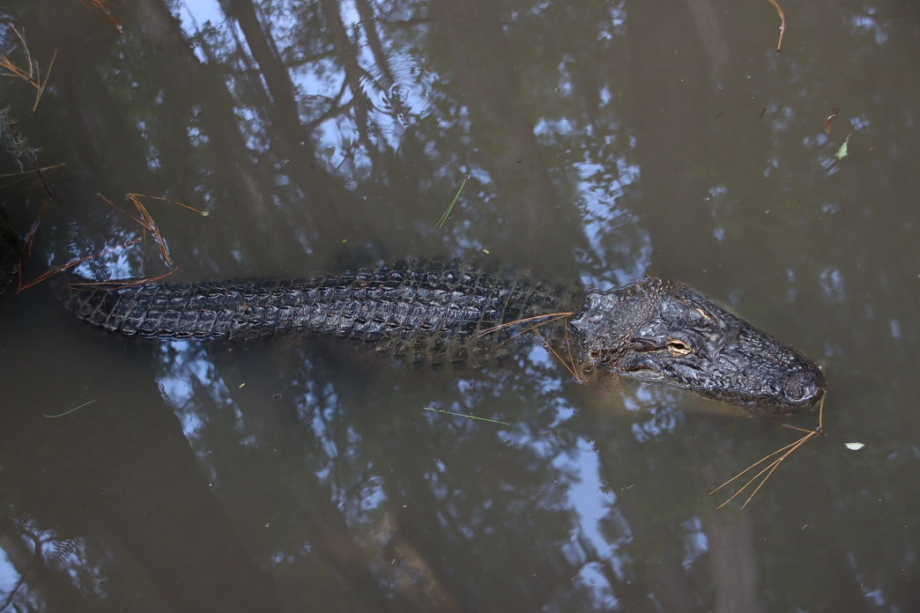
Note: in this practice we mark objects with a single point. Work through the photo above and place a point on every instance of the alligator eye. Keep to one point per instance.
(678, 348)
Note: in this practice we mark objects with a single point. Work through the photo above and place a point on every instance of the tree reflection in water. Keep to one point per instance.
(324, 135)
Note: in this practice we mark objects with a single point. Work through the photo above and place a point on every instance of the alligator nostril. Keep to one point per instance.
(805, 386)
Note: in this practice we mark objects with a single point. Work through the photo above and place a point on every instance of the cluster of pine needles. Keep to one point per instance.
(770, 468)
(531, 325)
(28, 71)
(143, 218)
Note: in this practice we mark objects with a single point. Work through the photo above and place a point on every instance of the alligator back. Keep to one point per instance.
(426, 311)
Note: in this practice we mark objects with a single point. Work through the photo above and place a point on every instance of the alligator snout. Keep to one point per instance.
(804, 388)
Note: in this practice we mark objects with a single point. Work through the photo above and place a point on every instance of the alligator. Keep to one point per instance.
(441, 312)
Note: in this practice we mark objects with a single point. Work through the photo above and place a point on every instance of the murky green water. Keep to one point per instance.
(602, 141)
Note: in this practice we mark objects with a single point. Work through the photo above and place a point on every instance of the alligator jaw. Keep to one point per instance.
(666, 332)
(779, 390)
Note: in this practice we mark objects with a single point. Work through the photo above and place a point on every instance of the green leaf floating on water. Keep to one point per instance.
(842, 152)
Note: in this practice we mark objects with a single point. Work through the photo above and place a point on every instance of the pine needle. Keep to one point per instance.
(119, 284)
(71, 264)
(450, 208)
(41, 85)
(149, 223)
(25, 174)
(169, 200)
(99, 7)
(493, 421)
(87, 403)
(782, 24)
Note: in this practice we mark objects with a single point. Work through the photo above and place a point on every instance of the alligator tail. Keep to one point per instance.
(427, 311)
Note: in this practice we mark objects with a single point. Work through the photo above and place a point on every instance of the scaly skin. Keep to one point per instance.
(427, 311)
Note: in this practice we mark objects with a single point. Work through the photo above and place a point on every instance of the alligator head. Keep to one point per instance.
(660, 331)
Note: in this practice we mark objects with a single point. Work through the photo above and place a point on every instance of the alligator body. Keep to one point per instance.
(438, 312)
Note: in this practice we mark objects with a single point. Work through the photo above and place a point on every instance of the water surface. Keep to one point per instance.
(600, 141)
